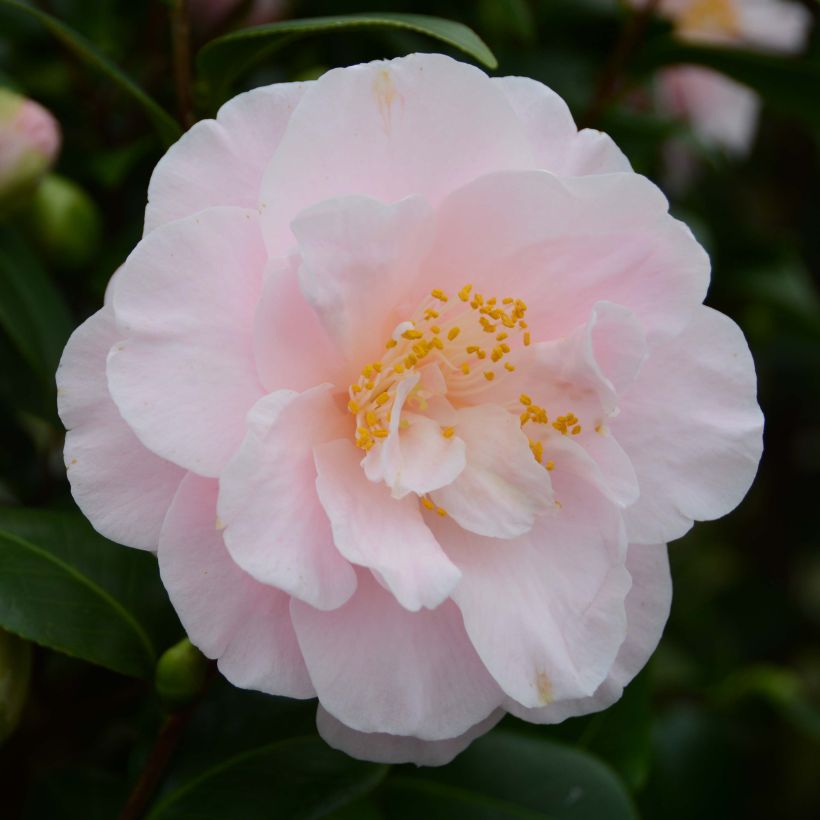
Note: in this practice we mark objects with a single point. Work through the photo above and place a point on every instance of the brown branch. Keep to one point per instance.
(632, 35)
(181, 46)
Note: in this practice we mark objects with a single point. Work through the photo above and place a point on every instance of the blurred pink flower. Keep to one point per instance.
(29, 143)
(211, 14)
(721, 111)
(409, 382)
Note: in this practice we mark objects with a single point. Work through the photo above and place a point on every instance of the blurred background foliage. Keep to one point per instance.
(725, 722)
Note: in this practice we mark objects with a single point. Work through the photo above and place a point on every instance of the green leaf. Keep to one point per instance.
(298, 777)
(224, 59)
(788, 83)
(508, 776)
(162, 121)
(15, 673)
(66, 587)
(32, 310)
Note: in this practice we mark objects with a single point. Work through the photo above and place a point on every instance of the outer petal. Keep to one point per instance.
(184, 375)
(124, 489)
(221, 161)
(647, 609)
(692, 427)
(379, 668)
(562, 245)
(359, 257)
(377, 129)
(293, 350)
(384, 748)
(229, 616)
(502, 488)
(546, 611)
(374, 530)
(557, 144)
(275, 527)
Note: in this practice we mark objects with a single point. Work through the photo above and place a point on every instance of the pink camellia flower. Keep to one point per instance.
(409, 382)
(722, 112)
(29, 143)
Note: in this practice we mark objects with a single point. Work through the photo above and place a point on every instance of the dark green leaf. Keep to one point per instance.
(32, 310)
(506, 776)
(223, 60)
(299, 777)
(788, 83)
(165, 125)
(66, 587)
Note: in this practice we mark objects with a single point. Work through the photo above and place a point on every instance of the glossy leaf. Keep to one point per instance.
(294, 778)
(504, 776)
(162, 121)
(66, 587)
(224, 59)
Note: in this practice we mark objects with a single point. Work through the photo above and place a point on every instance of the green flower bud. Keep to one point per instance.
(181, 674)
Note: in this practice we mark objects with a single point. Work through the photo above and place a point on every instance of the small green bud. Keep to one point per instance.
(65, 221)
(181, 674)
(15, 671)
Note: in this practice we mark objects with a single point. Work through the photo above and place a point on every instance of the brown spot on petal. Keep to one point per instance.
(385, 94)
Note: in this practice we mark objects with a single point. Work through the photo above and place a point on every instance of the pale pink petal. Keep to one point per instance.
(275, 527)
(557, 144)
(546, 611)
(293, 350)
(221, 161)
(229, 616)
(384, 748)
(564, 244)
(647, 609)
(775, 25)
(419, 125)
(376, 531)
(418, 458)
(692, 427)
(379, 668)
(122, 488)
(359, 260)
(502, 488)
(183, 375)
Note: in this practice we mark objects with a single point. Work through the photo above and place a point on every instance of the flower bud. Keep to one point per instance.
(65, 221)
(29, 142)
(180, 674)
(15, 670)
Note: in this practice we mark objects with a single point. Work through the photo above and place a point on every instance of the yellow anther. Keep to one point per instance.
(431, 314)
(353, 406)
(496, 354)
(527, 339)
(492, 301)
(410, 360)
(390, 344)
(378, 367)
(453, 332)
(489, 375)
(550, 465)
(599, 427)
(576, 430)
(368, 371)
(525, 400)
(501, 336)
(523, 325)
(356, 388)
(435, 329)
(427, 503)
(369, 385)
(464, 293)
(509, 367)
(380, 433)
(439, 294)
(525, 417)
(421, 349)
(507, 300)
(482, 354)
(382, 399)
(507, 321)
(473, 348)
(437, 343)
(398, 368)
(465, 368)
(537, 448)
(412, 334)
(441, 511)
(448, 432)
(371, 418)
(505, 347)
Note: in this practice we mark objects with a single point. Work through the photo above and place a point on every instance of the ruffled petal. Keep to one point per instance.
(183, 375)
(229, 616)
(564, 244)
(379, 532)
(379, 668)
(647, 609)
(557, 144)
(384, 748)
(221, 161)
(121, 487)
(692, 428)
(275, 527)
(545, 611)
(359, 260)
(377, 129)
(502, 488)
